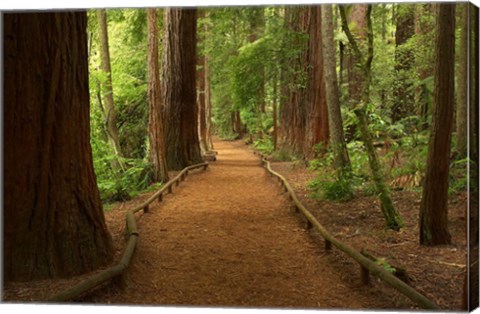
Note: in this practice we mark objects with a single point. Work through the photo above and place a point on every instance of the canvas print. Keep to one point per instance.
(314, 156)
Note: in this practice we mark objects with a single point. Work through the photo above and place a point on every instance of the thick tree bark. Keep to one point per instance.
(106, 87)
(337, 137)
(434, 205)
(178, 88)
(53, 219)
(155, 125)
(292, 100)
(316, 112)
(462, 77)
(404, 97)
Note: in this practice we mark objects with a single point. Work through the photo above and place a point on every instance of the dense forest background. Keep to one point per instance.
(262, 79)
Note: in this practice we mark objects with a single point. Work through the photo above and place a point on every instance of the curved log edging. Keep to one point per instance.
(132, 233)
(366, 265)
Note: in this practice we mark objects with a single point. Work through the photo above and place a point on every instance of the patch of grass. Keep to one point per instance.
(282, 155)
(340, 190)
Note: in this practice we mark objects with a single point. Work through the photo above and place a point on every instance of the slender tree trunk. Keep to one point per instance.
(472, 286)
(337, 138)
(392, 217)
(208, 105)
(202, 111)
(275, 116)
(434, 205)
(106, 87)
(462, 77)
(178, 88)
(202, 114)
(207, 89)
(54, 224)
(316, 112)
(155, 128)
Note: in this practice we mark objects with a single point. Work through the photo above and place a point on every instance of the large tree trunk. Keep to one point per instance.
(155, 125)
(434, 206)
(462, 77)
(404, 97)
(53, 218)
(292, 101)
(106, 87)
(337, 138)
(316, 113)
(178, 88)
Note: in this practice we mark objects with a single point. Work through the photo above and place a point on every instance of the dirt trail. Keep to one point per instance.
(226, 237)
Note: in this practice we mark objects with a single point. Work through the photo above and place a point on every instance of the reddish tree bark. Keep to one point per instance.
(434, 205)
(54, 224)
(292, 102)
(155, 125)
(178, 88)
(316, 112)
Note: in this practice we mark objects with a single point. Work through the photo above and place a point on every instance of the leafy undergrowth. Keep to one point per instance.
(436, 272)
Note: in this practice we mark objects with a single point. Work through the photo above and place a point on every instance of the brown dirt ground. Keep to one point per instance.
(227, 237)
(436, 272)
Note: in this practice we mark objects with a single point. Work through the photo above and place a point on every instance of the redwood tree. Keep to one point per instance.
(434, 206)
(178, 88)
(54, 224)
(155, 129)
(316, 113)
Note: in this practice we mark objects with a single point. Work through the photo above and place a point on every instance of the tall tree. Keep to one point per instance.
(208, 104)
(178, 88)
(106, 87)
(472, 286)
(462, 79)
(434, 207)
(392, 217)
(155, 128)
(201, 89)
(316, 112)
(292, 105)
(55, 226)
(337, 138)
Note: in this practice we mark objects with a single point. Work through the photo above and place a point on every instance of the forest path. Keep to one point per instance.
(226, 238)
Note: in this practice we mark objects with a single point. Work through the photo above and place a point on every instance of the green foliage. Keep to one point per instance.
(338, 190)
(458, 176)
(283, 155)
(264, 145)
(127, 47)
